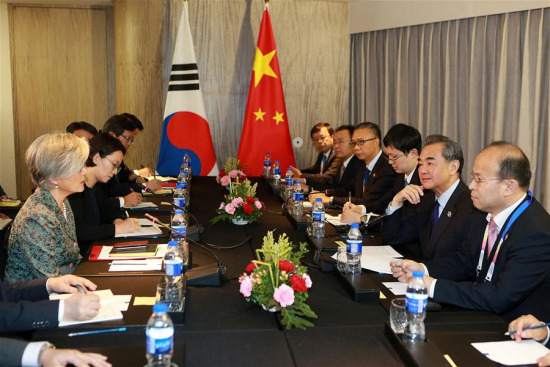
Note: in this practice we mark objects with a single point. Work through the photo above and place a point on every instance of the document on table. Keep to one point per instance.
(397, 288)
(383, 251)
(377, 258)
(136, 265)
(512, 353)
(142, 205)
(108, 311)
(144, 231)
(334, 219)
(105, 253)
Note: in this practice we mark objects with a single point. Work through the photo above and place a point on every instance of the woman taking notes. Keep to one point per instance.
(43, 242)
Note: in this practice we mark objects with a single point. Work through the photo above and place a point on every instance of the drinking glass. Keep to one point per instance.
(398, 315)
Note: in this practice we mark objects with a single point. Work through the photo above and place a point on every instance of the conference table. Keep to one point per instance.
(220, 328)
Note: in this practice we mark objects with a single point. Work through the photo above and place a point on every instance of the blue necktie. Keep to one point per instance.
(405, 183)
(366, 178)
(323, 162)
(435, 216)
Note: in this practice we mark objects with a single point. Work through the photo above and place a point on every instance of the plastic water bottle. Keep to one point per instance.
(289, 184)
(160, 337)
(179, 224)
(173, 264)
(266, 173)
(416, 302)
(354, 249)
(276, 173)
(317, 221)
(179, 195)
(298, 198)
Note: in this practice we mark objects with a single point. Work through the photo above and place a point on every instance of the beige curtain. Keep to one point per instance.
(475, 80)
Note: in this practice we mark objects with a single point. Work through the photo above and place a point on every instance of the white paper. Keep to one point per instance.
(143, 204)
(334, 219)
(161, 178)
(108, 311)
(136, 265)
(143, 231)
(379, 264)
(123, 301)
(105, 250)
(145, 222)
(397, 288)
(307, 205)
(512, 353)
(385, 251)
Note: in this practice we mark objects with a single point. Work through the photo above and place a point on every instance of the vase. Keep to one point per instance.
(239, 221)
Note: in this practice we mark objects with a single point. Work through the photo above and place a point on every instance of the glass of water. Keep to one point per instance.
(342, 259)
(398, 315)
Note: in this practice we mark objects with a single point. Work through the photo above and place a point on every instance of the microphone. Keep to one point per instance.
(200, 228)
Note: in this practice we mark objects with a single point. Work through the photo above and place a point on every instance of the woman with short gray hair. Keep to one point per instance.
(42, 242)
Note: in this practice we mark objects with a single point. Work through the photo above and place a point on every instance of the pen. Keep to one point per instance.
(102, 331)
(127, 215)
(349, 200)
(528, 328)
(81, 289)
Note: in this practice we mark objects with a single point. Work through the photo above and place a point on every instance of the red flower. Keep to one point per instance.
(250, 268)
(250, 199)
(286, 266)
(243, 177)
(222, 173)
(298, 283)
(248, 209)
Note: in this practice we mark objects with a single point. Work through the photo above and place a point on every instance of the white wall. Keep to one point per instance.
(7, 148)
(370, 15)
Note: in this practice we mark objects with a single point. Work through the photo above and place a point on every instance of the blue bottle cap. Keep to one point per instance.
(418, 274)
(178, 211)
(160, 307)
(355, 225)
(298, 182)
(289, 169)
(319, 200)
(276, 160)
(173, 243)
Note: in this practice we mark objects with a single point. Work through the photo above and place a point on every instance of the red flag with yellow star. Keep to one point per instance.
(265, 127)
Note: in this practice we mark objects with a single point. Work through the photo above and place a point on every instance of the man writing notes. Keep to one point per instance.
(339, 181)
(374, 179)
(503, 266)
(431, 219)
(321, 134)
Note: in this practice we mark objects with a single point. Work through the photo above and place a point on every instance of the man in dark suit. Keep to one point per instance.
(375, 178)
(431, 220)
(521, 326)
(24, 305)
(321, 135)
(341, 180)
(503, 266)
(21, 353)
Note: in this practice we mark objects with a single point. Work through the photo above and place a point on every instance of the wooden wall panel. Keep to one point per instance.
(59, 59)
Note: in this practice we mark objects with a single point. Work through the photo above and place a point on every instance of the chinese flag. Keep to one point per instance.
(265, 126)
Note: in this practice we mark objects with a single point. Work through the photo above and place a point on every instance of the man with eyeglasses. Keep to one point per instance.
(321, 135)
(341, 180)
(503, 266)
(374, 179)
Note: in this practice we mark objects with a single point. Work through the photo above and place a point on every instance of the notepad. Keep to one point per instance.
(512, 353)
(150, 231)
(109, 309)
(143, 205)
(9, 203)
(139, 251)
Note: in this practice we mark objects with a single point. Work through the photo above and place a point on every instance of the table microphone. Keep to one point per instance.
(199, 226)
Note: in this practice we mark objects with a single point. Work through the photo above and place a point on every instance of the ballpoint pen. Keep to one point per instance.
(101, 331)
(528, 328)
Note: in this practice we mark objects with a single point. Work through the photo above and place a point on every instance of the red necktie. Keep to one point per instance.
(493, 233)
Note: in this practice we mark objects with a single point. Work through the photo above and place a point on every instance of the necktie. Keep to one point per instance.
(366, 178)
(405, 183)
(342, 169)
(323, 162)
(435, 216)
(493, 233)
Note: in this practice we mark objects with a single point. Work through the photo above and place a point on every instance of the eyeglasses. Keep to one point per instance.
(116, 167)
(128, 139)
(319, 138)
(479, 180)
(393, 158)
(341, 142)
(359, 142)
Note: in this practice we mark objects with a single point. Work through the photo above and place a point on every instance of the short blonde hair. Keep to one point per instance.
(53, 156)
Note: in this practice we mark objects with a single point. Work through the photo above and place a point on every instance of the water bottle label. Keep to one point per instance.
(173, 268)
(298, 196)
(179, 202)
(354, 246)
(277, 171)
(267, 163)
(181, 230)
(318, 216)
(159, 346)
(416, 303)
(289, 181)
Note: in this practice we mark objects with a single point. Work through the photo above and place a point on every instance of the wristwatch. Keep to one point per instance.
(45, 346)
(364, 218)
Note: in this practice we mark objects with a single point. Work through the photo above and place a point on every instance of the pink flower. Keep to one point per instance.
(284, 295)
(258, 204)
(230, 208)
(237, 201)
(222, 205)
(246, 287)
(233, 174)
(225, 180)
(308, 280)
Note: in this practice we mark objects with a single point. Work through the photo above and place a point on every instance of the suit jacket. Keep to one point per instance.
(410, 224)
(11, 351)
(378, 192)
(326, 180)
(521, 279)
(346, 184)
(316, 168)
(91, 223)
(399, 183)
(25, 306)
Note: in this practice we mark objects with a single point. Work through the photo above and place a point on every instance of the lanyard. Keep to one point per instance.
(517, 212)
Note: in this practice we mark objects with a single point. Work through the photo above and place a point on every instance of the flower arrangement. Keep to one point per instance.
(231, 172)
(277, 281)
(240, 204)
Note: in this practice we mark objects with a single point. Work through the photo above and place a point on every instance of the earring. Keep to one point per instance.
(56, 186)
